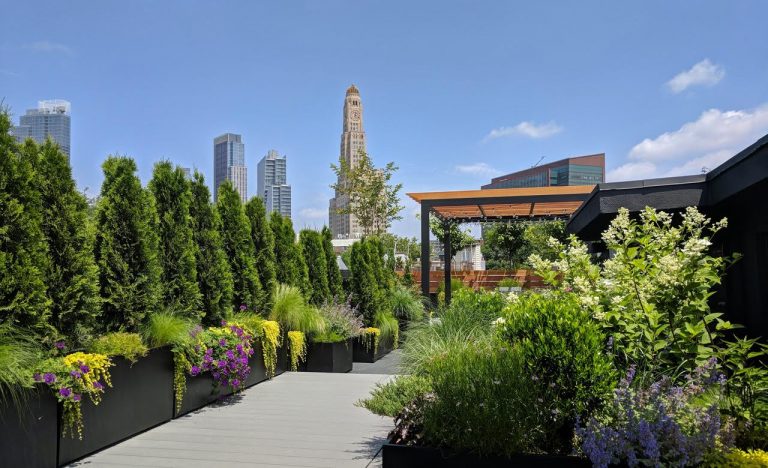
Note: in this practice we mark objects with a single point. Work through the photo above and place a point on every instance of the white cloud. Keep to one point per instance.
(48, 47)
(526, 129)
(704, 73)
(704, 143)
(313, 213)
(478, 169)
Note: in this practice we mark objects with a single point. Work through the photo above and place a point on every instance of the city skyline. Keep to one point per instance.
(455, 96)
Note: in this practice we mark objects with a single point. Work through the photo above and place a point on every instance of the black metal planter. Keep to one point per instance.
(201, 391)
(256, 362)
(363, 353)
(29, 435)
(329, 357)
(282, 356)
(403, 456)
(140, 398)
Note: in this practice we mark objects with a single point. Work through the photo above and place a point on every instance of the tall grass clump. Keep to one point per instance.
(165, 328)
(389, 326)
(405, 305)
(293, 313)
(19, 352)
(467, 321)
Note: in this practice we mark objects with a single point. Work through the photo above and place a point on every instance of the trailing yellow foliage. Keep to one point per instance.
(298, 343)
(370, 339)
(181, 366)
(271, 340)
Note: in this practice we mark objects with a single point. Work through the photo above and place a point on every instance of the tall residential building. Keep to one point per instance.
(272, 183)
(580, 170)
(50, 119)
(229, 164)
(344, 226)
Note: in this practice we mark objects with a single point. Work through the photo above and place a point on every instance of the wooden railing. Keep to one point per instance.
(481, 279)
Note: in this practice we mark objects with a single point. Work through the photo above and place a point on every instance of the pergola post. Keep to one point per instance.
(447, 254)
(425, 209)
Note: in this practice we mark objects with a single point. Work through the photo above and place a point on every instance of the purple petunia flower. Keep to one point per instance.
(230, 354)
(98, 386)
(235, 383)
(75, 374)
(243, 306)
(84, 369)
(222, 342)
(194, 370)
(37, 377)
(49, 378)
(76, 397)
(222, 364)
(60, 345)
(223, 323)
(65, 392)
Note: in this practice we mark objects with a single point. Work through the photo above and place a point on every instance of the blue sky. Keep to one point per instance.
(455, 92)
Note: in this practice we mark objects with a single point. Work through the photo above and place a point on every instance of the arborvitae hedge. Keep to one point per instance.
(301, 280)
(317, 265)
(23, 250)
(176, 252)
(363, 284)
(126, 248)
(334, 275)
(72, 278)
(236, 238)
(214, 279)
(264, 245)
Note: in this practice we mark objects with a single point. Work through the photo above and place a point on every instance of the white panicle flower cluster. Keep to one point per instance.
(499, 322)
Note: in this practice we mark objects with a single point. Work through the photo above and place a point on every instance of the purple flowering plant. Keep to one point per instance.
(662, 424)
(224, 352)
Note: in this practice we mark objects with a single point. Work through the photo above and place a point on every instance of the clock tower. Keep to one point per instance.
(345, 226)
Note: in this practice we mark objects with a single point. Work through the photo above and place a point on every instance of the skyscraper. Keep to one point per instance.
(51, 118)
(352, 143)
(272, 183)
(229, 164)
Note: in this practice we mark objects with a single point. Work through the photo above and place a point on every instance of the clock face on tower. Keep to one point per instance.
(355, 115)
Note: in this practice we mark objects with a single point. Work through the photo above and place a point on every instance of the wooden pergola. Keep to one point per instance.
(492, 205)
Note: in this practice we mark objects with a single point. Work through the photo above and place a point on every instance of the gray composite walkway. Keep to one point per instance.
(296, 419)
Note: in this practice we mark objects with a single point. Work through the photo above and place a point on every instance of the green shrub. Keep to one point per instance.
(235, 233)
(509, 283)
(251, 321)
(482, 402)
(127, 345)
(293, 313)
(389, 398)
(23, 250)
(456, 286)
(126, 248)
(334, 275)
(565, 357)
(311, 243)
(176, 247)
(405, 304)
(165, 328)
(214, 277)
(366, 294)
(264, 246)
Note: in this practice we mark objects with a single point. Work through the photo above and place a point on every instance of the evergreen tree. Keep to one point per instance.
(23, 250)
(317, 265)
(176, 252)
(214, 279)
(365, 293)
(126, 247)
(238, 246)
(72, 277)
(297, 255)
(334, 275)
(264, 245)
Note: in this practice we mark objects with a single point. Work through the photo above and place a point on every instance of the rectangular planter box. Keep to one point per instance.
(403, 456)
(29, 435)
(258, 371)
(361, 354)
(329, 357)
(140, 398)
(282, 356)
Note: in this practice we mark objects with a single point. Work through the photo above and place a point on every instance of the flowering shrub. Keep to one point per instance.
(271, 340)
(224, 352)
(71, 377)
(370, 337)
(662, 424)
(298, 348)
(342, 321)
